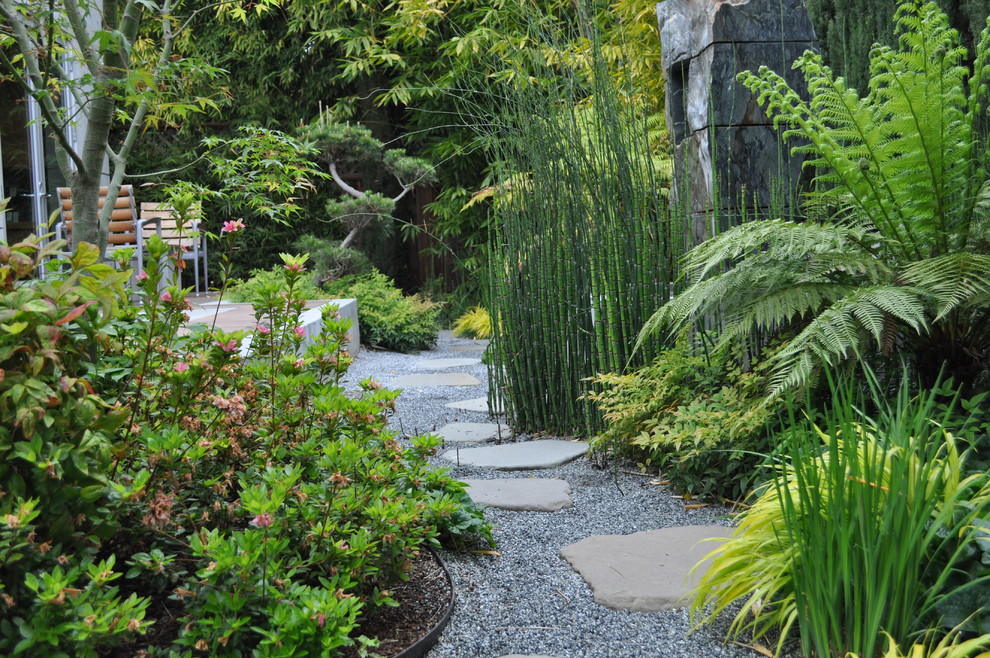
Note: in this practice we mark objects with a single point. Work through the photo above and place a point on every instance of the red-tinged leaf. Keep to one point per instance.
(74, 313)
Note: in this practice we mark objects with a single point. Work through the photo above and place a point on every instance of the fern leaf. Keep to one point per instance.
(954, 280)
(838, 332)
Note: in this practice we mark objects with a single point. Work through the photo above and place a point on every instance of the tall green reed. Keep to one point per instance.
(584, 246)
(860, 531)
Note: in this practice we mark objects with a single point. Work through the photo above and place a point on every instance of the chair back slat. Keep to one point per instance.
(123, 220)
(169, 226)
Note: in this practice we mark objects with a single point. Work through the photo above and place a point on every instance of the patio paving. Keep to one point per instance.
(234, 316)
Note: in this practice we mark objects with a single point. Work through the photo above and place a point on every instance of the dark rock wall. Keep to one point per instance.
(730, 162)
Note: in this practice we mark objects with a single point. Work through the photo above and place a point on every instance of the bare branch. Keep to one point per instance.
(357, 194)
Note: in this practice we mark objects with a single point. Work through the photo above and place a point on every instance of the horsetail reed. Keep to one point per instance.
(584, 248)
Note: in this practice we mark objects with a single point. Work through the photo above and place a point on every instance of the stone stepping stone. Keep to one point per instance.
(521, 494)
(524, 456)
(644, 571)
(473, 432)
(435, 379)
(441, 364)
(476, 404)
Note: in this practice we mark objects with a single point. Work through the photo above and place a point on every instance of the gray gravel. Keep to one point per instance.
(528, 600)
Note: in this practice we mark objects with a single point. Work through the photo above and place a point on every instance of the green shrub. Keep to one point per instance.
(252, 500)
(330, 261)
(696, 416)
(56, 444)
(862, 531)
(388, 318)
(260, 280)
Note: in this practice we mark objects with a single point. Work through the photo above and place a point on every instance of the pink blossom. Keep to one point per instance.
(142, 275)
(233, 226)
(181, 366)
(321, 620)
(229, 346)
(263, 330)
(294, 268)
(263, 520)
(166, 296)
(300, 332)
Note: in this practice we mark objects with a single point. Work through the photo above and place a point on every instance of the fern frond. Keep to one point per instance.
(954, 280)
(773, 239)
(839, 332)
(780, 307)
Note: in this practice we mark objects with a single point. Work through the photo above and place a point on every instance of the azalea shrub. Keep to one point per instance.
(163, 492)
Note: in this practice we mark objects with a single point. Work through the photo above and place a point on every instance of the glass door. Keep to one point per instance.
(23, 156)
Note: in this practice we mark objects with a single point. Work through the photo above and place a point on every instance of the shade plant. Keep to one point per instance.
(248, 498)
(693, 413)
(860, 532)
(894, 256)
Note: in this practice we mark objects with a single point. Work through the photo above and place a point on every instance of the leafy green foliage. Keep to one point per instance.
(56, 445)
(355, 146)
(253, 500)
(388, 318)
(586, 246)
(896, 256)
(116, 76)
(848, 29)
(263, 280)
(860, 531)
(331, 261)
(262, 171)
(695, 416)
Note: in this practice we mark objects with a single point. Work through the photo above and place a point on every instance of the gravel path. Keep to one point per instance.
(529, 600)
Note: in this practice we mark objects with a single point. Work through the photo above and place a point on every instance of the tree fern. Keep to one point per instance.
(898, 245)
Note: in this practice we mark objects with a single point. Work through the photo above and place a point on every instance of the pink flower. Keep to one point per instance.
(229, 346)
(300, 332)
(262, 520)
(142, 275)
(294, 268)
(181, 366)
(166, 296)
(321, 620)
(233, 226)
(263, 330)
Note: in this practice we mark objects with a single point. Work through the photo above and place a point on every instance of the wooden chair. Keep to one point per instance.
(159, 219)
(123, 229)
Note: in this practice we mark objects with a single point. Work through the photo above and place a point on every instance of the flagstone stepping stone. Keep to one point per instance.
(521, 494)
(441, 364)
(645, 571)
(435, 379)
(473, 432)
(476, 404)
(527, 455)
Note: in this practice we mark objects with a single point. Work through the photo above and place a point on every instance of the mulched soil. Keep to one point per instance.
(423, 601)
